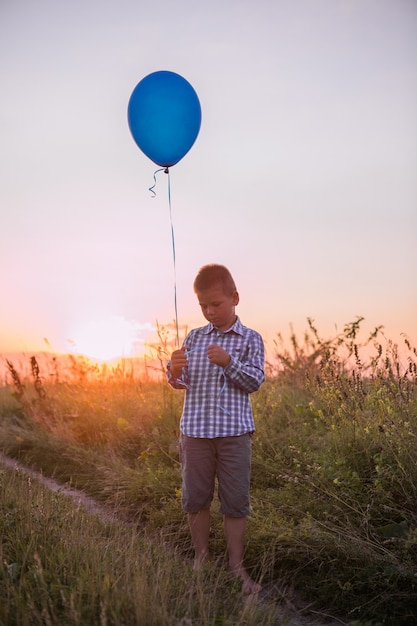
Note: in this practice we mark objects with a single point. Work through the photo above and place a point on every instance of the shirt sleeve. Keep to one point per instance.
(177, 383)
(248, 374)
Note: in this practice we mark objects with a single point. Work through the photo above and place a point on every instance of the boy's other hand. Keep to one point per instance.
(217, 355)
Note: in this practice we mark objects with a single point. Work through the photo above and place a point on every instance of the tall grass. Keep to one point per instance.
(334, 485)
(62, 566)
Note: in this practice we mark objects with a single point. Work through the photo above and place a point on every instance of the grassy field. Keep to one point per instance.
(334, 493)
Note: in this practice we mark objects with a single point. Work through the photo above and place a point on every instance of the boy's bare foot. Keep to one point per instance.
(249, 586)
(200, 561)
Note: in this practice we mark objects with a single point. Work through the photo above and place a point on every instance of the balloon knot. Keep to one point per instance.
(166, 170)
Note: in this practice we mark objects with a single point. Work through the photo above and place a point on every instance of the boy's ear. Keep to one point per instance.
(235, 298)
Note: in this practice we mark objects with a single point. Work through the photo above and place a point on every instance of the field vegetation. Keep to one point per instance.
(334, 493)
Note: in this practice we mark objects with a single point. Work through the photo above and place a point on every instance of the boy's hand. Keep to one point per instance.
(178, 361)
(217, 355)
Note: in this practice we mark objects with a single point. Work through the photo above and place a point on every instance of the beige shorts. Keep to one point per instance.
(228, 458)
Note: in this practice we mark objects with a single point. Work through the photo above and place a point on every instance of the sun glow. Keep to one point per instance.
(110, 338)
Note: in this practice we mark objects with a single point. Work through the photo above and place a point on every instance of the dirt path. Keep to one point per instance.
(294, 614)
(88, 503)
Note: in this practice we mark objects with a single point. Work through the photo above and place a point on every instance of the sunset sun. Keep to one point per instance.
(109, 338)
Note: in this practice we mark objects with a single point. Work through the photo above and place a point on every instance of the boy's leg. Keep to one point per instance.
(235, 528)
(199, 524)
(234, 460)
(198, 461)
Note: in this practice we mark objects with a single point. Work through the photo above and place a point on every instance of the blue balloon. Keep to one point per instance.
(164, 116)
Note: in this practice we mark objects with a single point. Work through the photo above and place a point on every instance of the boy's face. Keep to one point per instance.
(218, 307)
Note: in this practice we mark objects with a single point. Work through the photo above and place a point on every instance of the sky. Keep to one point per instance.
(302, 179)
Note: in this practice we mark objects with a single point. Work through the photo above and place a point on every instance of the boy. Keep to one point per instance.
(219, 365)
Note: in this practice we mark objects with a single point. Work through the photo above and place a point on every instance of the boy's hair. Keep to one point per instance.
(210, 275)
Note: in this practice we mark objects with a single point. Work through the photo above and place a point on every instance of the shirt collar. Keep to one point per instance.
(236, 328)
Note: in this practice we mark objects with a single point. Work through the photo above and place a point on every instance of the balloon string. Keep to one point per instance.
(151, 189)
(173, 256)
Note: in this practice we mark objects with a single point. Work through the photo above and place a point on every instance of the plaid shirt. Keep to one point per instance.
(217, 402)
